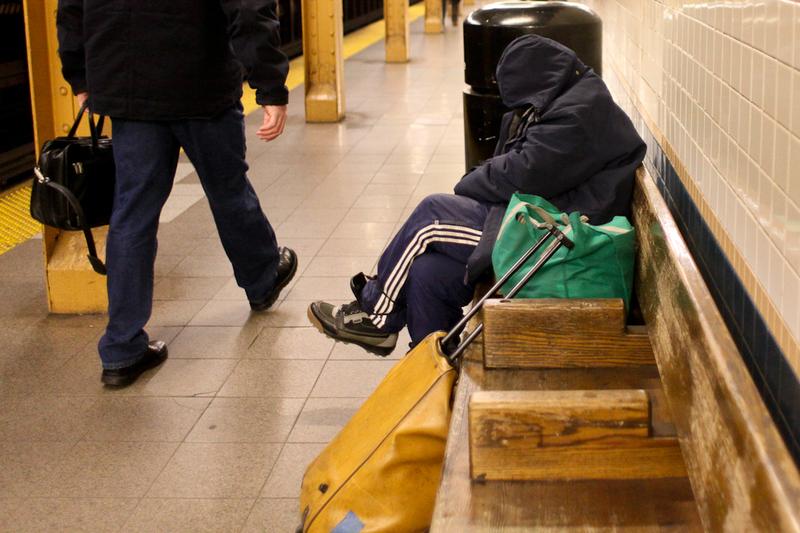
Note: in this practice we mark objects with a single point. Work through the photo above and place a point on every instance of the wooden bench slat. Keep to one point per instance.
(558, 333)
(563, 435)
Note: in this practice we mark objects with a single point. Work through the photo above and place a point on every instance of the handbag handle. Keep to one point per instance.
(97, 263)
(96, 130)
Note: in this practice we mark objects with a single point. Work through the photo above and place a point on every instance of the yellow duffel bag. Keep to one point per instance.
(381, 472)
(383, 469)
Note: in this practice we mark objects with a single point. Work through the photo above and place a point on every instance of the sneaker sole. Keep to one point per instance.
(277, 291)
(332, 333)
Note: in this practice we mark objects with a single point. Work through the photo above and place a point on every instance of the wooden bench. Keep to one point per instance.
(566, 418)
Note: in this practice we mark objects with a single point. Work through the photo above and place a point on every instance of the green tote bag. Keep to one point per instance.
(599, 266)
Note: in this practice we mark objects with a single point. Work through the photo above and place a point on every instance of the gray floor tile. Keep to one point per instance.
(44, 418)
(174, 312)
(390, 189)
(290, 343)
(287, 475)
(144, 419)
(231, 291)
(350, 379)
(218, 342)
(334, 267)
(78, 515)
(27, 465)
(166, 262)
(305, 248)
(226, 313)
(10, 510)
(272, 378)
(195, 266)
(322, 418)
(247, 420)
(291, 229)
(373, 214)
(308, 289)
(178, 515)
(363, 230)
(382, 200)
(276, 515)
(195, 288)
(185, 377)
(352, 247)
(216, 470)
(107, 470)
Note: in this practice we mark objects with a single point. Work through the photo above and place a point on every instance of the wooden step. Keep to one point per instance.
(465, 505)
(562, 333)
(567, 435)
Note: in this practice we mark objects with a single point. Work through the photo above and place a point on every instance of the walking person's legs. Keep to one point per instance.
(145, 155)
(216, 147)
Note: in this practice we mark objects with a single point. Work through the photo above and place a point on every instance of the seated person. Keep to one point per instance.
(564, 139)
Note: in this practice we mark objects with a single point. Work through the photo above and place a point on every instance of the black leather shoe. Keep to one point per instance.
(287, 268)
(122, 377)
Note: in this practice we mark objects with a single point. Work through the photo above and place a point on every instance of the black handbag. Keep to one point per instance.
(74, 184)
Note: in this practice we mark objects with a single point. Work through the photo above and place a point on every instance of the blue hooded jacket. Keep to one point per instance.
(568, 142)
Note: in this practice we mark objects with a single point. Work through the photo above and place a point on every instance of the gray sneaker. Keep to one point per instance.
(349, 323)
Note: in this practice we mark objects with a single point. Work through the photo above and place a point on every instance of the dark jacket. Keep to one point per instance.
(171, 59)
(565, 140)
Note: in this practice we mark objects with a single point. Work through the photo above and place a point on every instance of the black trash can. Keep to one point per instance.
(487, 32)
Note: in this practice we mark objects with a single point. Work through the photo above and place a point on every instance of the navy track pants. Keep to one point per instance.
(421, 280)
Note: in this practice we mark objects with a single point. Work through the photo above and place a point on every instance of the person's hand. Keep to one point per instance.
(82, 97)
(274, 121)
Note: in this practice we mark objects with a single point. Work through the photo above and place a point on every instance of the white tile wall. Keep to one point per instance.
(721, 80)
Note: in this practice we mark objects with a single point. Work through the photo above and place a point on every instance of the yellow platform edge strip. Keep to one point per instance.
(16, 224)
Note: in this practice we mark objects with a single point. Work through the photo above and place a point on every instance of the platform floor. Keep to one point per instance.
(218, 437)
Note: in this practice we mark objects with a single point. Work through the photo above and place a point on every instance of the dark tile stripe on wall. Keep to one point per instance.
(776, 381)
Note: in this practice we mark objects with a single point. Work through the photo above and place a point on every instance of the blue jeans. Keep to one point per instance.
(421, 280)
(146, 156)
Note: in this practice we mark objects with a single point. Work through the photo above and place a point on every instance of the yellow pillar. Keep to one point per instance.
(322, 55)
(395, 13)
(72, 285)
(434, 22)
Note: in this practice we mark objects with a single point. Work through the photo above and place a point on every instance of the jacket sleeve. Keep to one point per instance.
(253, 29)
(554, 158)
(69, 23)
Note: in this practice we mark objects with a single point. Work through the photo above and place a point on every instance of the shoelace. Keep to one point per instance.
(350, 309)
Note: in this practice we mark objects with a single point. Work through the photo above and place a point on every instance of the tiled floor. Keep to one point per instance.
(218, 437)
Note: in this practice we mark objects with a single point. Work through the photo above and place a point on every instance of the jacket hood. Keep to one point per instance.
(535, 70)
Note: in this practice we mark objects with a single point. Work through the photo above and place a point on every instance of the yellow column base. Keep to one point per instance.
(434, 22)
(434, 26)
(324, 103)
(396, 50)
(395, 14)
(72, 285)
